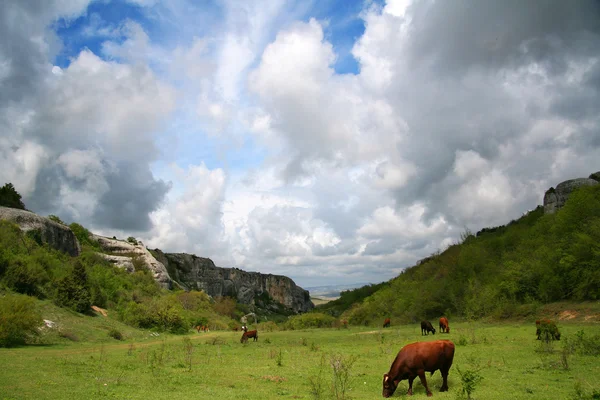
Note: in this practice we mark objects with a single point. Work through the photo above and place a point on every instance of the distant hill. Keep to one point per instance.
(501, 272)
(332, 291)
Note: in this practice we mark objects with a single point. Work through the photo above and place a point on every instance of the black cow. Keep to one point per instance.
(426, 327)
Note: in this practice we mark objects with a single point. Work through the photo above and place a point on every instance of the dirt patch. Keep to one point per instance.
(593, 317)
(567, 315)
(367, 333)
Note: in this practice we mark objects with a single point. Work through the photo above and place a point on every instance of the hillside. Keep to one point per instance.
(501, 272)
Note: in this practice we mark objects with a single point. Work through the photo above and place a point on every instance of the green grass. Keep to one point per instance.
(148, 367)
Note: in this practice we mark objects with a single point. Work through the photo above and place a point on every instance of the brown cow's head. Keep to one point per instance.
(447, 329)
(389, 386)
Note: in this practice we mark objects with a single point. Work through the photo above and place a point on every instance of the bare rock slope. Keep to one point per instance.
(200, 273)
(123, 253)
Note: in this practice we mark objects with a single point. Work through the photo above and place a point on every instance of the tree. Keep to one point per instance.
(9, 197)
(73, 290)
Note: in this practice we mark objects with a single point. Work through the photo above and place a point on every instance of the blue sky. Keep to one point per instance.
(329, 141)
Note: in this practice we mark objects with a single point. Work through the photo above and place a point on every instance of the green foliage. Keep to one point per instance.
(502, 272)
(115, 334)
(583, 344)
(55, 218)
(73, 290)
(469, 380)
(19, 319)
(25, 275)
(310, 320)
(132, 240)
(162, 313)
(83, 236)
(225, 306)
(9, 197)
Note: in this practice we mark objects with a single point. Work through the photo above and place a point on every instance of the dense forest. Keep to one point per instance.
(500, 272)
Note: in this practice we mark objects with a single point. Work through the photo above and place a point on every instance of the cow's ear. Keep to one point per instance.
(385, 377)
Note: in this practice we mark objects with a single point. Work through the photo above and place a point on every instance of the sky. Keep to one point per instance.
(331, 141)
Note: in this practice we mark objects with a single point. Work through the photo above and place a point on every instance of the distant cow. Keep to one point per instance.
(547, 329)
(416, 359)
(386, 323)
(426, 327)
(202, 328)
(249, 334)
(444, 327)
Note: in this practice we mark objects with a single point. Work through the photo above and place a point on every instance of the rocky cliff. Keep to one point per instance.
(199, 273)
(125, 255)
(554, 199)
(57, 236)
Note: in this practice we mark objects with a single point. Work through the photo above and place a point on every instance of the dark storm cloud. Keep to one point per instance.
(455, 36)
(133, 193)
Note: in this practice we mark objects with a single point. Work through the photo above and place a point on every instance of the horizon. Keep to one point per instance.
(331, 142)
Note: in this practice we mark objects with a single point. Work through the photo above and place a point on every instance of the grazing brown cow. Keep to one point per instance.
(414, 360)
(426, 327)
(547, 328)
(444, 327)
(249, 334)
(386, 323)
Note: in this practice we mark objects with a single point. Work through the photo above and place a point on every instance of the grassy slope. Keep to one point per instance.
(145, 367)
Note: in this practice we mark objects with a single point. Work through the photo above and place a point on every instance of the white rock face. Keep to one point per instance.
(124, 253)
(57, 236)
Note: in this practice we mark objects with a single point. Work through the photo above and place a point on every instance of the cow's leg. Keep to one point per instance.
(410, 381)
(444, 387)
(424, 382)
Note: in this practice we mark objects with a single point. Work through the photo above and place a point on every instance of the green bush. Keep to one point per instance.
(55, 219)
(26, 276)
(73, 291)
(19, 319)
(115, 334)
(310, 320)
(83, 236)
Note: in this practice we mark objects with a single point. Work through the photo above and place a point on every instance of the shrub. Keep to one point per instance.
(310, 320)
(83, 236)
(469, 379)
(115, 334)
(268, 326)
(68, 335)
(132, 240)
(25, 276)
(20, 319)
(55, 219)
(73, 291)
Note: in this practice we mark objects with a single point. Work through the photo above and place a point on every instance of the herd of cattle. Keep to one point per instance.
(415, 359)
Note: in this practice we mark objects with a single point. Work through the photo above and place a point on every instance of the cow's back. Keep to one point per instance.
(429, 356)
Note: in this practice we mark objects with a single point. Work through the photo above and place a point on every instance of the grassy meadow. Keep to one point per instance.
(304, 364)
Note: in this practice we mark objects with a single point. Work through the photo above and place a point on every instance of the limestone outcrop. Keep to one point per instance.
(125, 255)
(56, 235)
(554, 199)
(198, 273)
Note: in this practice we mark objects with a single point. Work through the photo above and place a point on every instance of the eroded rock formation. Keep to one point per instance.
(57, 236)
(124, 254)
(200, 273)
(554, 199)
